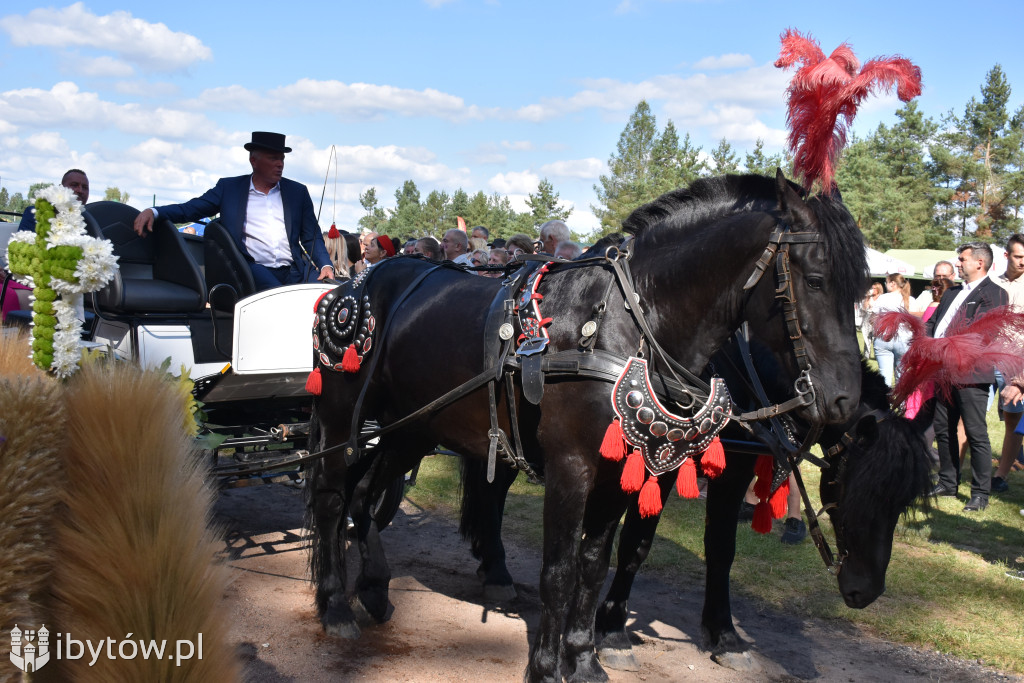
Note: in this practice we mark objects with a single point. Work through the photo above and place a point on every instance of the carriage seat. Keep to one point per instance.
(156, 274)
(228, 276)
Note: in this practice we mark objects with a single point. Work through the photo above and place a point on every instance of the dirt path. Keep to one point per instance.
(440, 630)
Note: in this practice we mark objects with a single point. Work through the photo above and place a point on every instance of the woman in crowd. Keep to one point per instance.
(889, 352)
(337, 249)
(497, 257)
(378, 249)
(867, 318)
(519, 244)
(478, 257)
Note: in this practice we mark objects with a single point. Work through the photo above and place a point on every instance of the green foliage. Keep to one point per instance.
(724, 158)
(544, 204)
(114, 194)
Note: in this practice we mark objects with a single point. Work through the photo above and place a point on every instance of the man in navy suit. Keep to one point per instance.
(271, 218)
(974, 297)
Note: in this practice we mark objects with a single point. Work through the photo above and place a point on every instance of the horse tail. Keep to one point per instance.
(314, 443)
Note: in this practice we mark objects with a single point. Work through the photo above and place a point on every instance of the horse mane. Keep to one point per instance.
(889, 476)
(708, 199)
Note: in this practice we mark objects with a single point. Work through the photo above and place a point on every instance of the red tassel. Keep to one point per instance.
(633, 473)
(650, 498)
(780, 500)
(762, 523)
(350, 361)
(686, 482)
(764, 469)
(314, 382)
(713, 460)
(613, 446)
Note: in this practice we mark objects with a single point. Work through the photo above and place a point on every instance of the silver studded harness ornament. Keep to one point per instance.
(661, 441)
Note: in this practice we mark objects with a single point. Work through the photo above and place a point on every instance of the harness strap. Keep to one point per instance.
(812, 523)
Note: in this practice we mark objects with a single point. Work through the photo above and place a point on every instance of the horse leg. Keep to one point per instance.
(579, 657)
(371, 587)
(483, 508)
(326, 520)
(568, 483)
(614, 647)
(724, 495)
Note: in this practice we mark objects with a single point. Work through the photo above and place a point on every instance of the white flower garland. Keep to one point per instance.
(39, 257)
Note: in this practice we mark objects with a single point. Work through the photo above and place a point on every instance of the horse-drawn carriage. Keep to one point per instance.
(189, 303)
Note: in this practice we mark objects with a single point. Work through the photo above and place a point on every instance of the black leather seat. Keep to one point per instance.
(228, 277)
(156, 275)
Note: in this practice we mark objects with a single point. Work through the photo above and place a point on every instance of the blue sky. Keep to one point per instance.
(493, 95)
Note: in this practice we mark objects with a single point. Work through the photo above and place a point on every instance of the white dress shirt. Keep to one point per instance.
(943, 325)
(265, 234)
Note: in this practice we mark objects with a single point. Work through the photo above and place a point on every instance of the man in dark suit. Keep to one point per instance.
(964, 302)
(271, 218)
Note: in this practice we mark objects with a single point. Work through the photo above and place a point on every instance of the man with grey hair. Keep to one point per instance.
(551, 234)
(977, 295)
(480, 232)
(455, 244)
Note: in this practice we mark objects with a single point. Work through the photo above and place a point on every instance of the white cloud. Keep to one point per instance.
(586, 169)
(357, 101)
(732, 60)
(518, 145)
(98, 67)
(434, 4)
(136, 41)
(514, 182)
(759, 88)
(65, 106)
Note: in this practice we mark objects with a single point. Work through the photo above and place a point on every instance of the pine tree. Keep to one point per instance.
(763, 164)
(724, 158)
(544, 205)
(630, 181)
(406, 217)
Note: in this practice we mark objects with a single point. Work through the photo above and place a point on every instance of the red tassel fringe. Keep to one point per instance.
(613, 446)
(650, 498)
(633, 473)
(713, 461)
(762, 523)
(350, 361)
(780, 500)
(314, 383)
(686, 482)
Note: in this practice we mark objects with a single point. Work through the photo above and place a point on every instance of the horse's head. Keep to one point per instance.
(802, 302)
(878, 467)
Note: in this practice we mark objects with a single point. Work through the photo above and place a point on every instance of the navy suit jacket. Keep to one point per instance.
(230, 198)
(986, 296)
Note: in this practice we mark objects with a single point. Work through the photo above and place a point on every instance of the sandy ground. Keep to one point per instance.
(440, 630)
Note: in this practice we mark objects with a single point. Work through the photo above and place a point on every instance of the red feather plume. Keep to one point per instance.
(888, 324)
(824, 96)
(989, 341)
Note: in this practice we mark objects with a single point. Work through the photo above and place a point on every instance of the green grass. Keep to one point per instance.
(946, 584)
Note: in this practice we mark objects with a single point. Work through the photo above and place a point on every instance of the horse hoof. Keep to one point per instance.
(495, 593)
(737, 661)
(345, 629)
(619, 660)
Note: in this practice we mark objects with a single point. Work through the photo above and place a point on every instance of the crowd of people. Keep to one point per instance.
(959, 424)
(273, 223)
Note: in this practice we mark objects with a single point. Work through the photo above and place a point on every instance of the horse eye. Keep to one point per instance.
(815, 282)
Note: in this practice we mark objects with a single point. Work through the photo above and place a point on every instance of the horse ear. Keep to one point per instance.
(791, 205)
(867, 431)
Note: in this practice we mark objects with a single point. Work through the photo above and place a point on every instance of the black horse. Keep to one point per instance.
(878, 466)
(693, 252)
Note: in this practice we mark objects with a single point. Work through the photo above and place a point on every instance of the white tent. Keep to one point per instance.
(880, 264)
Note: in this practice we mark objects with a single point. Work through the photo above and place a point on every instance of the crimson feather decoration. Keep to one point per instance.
(823, 99)
(888, 324)
(990, 341)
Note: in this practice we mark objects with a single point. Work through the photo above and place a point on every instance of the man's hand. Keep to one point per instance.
(144, 222)
(1012, 394)
(326, 273)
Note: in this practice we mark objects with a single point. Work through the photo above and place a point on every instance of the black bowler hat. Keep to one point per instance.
(269, 141)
